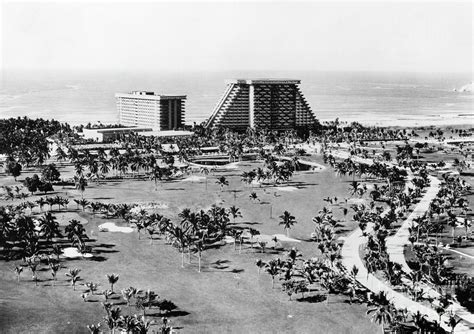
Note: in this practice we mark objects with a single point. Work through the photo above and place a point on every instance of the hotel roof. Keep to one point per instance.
(150, 95)
(264, 81)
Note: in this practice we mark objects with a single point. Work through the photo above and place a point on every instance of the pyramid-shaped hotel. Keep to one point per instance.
(262, 103)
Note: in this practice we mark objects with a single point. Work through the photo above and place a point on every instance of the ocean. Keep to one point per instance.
(405, 99)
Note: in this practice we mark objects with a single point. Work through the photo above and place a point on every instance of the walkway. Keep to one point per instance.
(396, 245)
(351, 257)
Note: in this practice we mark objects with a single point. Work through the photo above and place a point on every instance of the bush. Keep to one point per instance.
(465, 295)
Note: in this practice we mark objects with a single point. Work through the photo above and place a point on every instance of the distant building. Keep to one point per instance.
(109, 134)
(262, 103)
(146, 109)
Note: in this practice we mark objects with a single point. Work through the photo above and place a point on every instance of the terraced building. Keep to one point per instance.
(262, 103)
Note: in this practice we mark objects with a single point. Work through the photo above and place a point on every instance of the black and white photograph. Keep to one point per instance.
(253, 166)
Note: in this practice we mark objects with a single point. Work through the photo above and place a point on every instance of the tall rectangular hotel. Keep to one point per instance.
(147, 109)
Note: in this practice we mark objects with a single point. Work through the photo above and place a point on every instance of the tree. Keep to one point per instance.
(75, 231)
(94, 329)
(45, 187)
(32, 183)
(73, 275)
(234, 212)
(199, 244)
(287, 220)
(453, 321)
(260, 264)
(18, 270)
(382, 314)
(273, 269)
(13, 168)
(112, 278)
(50, 173)
(80, 184)
(54, 267)
(49, 226)
(205, 171)
(104, 167)
(180, 240)
(253, 196)
(33, 265)
(156, 174)
(452, 221)
(222, 182)
(41, 202)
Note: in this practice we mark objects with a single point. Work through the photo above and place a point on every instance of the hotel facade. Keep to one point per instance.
(147, 109)
(263, 103)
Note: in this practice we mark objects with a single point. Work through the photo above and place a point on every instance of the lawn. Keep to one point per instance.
(227, 296)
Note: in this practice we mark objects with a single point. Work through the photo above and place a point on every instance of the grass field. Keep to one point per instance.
(227, 296)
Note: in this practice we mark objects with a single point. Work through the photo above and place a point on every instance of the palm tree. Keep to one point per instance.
(156, 174)
(94, 329)
(49, 226)
(129, 293)
(234, 212)
(253, 232)
(34, 270)
(382, 314)
(419, 320)
(83, 203)
(453, 321)
(112, 278)
(75, 231)
(181, 240)
(18, 270)
(260, 264)
(253, 196)
(60, 154)
(287, 220)
(57, 250)
(112, 318)
(199, 244)
(273, 269)
(73, 275)
(41, 202)
(92, 287)
(222, 181)
(80, 184)
(54, 266)
(205, 171)
(104, 167)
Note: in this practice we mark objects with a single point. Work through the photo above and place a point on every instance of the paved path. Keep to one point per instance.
(396, 245)
(350, 257)
(397, 242)
(461, 253)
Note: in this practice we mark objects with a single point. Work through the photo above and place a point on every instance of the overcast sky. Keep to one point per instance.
(180, 36)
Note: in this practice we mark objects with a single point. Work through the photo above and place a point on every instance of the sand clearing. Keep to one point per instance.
(229, 240)
(356, 201)
(280, 237)
(149, 207)
(72, 252)
(193, 178)
(111, 227)
(286, 188)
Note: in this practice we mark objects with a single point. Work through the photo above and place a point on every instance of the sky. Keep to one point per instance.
(185, 36)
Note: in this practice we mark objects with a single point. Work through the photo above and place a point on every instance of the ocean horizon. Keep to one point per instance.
(371, 98)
